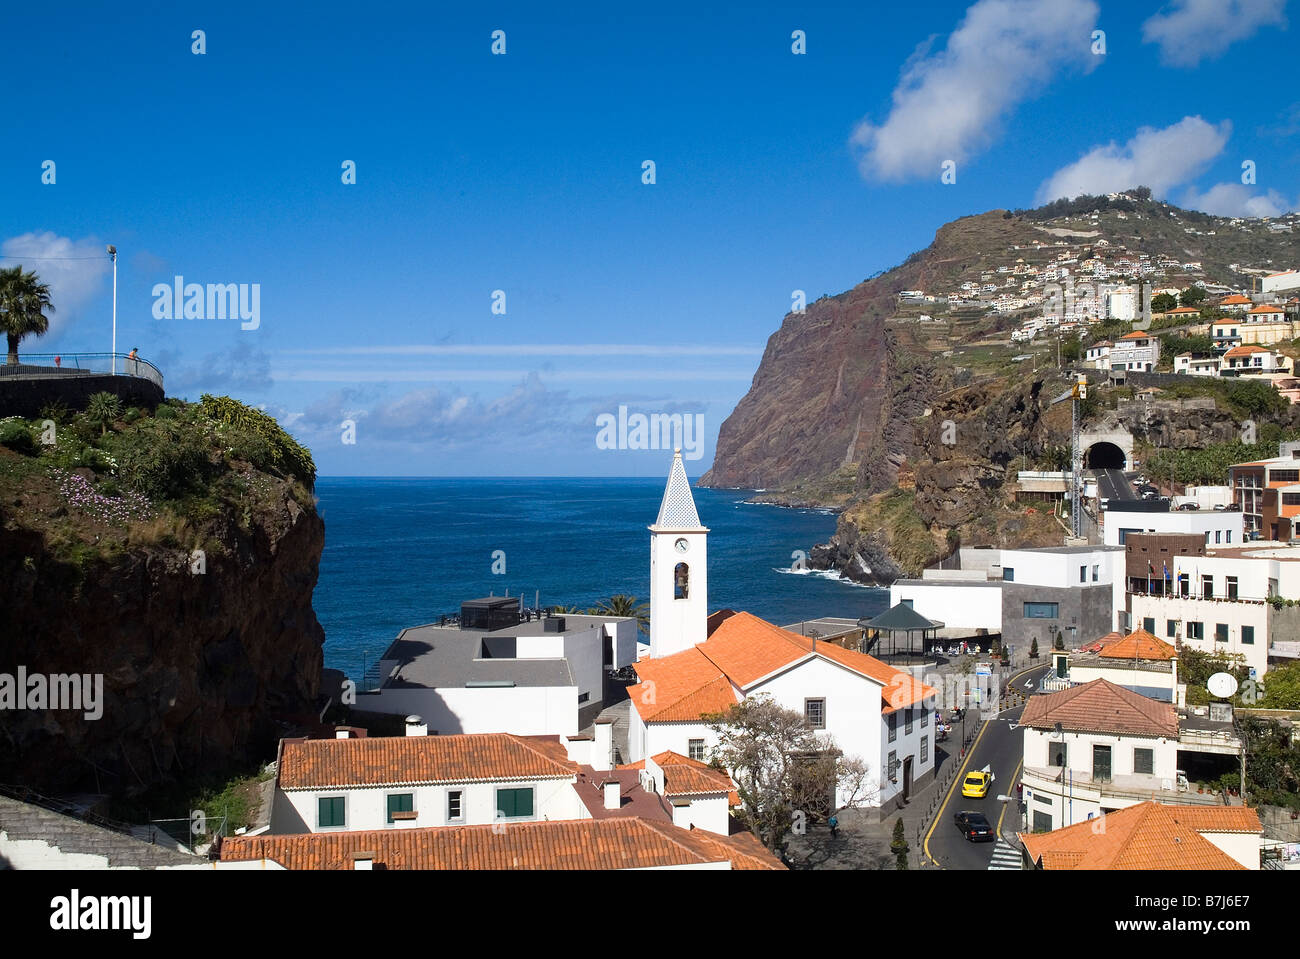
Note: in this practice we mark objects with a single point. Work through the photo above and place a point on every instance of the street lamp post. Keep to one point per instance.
(112, 253)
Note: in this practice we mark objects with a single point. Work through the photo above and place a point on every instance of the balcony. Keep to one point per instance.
(1135, 787)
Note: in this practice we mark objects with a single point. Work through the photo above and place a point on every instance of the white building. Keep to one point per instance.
(1097, 356)
(501, 672)
(1197, 364)
(1153, 836)
(359, 783)
(1122, 303)
(873, 711)
(1217, 527)
(1279, 282)
(1136, 351)
(679, 569)
(1099, 747)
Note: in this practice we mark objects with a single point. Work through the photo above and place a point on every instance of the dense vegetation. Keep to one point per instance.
(1084, 204)
(109, 477)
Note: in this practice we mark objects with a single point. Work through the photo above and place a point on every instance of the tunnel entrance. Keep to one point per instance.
(1104, 456)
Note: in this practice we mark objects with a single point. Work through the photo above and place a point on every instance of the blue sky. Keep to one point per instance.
(523, 173)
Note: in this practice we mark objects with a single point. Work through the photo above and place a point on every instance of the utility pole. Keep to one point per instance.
(112, 252)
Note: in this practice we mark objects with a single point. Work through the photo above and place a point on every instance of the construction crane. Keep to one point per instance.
(1078, 391)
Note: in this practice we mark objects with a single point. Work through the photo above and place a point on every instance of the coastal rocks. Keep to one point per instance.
(200, 671)
(862, 556)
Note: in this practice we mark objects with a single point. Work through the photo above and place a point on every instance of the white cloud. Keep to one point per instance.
(948, 105)
(1157, 158)
(1235, 199)
(238, 369)
(1193, 30)
(75, 271)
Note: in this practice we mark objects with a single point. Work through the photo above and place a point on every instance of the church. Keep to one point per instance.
(874, 712)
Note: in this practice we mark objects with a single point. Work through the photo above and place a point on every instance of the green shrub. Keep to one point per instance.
(165, 411)
(15, 434)
(164, 460)
(102, 411)
(287, 457)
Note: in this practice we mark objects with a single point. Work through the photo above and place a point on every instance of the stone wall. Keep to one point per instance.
(26, 395)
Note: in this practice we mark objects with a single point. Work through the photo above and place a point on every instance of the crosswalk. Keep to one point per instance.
(1005, 856)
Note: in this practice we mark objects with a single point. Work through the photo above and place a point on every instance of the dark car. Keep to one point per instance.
(974, 826)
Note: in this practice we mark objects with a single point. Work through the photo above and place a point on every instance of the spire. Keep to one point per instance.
(677, 511)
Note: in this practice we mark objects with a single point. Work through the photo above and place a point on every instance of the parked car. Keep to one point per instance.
(974, 826)
(1188, 506)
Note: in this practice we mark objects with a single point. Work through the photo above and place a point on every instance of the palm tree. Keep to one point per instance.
(102, 410)
(624, 605)
(24, 301)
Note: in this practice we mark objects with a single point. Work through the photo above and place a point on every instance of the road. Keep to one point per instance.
(999, 746)
(1113, 485)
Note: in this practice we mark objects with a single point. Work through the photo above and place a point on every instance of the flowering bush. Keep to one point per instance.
(79, 493)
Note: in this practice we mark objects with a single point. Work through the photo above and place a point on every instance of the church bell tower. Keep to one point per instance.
(679, 569)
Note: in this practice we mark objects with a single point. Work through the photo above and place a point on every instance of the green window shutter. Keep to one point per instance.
(329, 811)
(514, 803)
(400, 802)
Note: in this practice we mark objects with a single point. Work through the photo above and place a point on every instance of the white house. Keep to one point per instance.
(1135, 351)
(1249, 358)
(1197, 364)
(1096, 748)
(1150, 836)
(1139, 662)
(1097, 356)
(400, 782)
(587, 844)
(356, 783)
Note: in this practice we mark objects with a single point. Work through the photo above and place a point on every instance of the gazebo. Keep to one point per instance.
(898, 622)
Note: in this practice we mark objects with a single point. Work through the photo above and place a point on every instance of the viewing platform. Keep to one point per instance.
(40, 379)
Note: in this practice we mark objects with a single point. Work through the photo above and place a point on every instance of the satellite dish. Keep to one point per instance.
(1222, 685)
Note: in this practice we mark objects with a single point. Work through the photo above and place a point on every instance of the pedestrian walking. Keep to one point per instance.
(834, 823)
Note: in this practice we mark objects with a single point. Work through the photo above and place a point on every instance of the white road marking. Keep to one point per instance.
(1005, 856)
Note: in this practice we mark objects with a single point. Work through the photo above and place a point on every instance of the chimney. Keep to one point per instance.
(363, 861)
(342, 732)
(415, 726)
(602, 750)
(681, 812)
(613, 794)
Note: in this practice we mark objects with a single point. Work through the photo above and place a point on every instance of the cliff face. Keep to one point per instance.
(834, 388)
(196, 667)
(170, 559)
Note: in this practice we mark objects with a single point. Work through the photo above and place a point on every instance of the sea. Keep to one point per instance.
(403, 551)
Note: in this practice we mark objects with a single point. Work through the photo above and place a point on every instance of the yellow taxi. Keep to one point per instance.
(976, 784)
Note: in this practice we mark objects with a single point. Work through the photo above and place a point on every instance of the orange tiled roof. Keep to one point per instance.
(1266, 308)
(627, 843)
(743, 650)
(1235, 300)
(1245, 350)
(1183, 309)
(684, 776)
(1103, 707)
(1140, 644)
(1149, 835)
(680, 688)
(1135, 335)
(373, 761)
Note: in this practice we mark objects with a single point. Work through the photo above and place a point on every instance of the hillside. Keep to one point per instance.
(173, 553)
(850, 397)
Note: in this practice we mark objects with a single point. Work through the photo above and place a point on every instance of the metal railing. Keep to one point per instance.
(48, 365)
(33, 798)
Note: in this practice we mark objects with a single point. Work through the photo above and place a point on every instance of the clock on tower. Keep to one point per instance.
(679, 573)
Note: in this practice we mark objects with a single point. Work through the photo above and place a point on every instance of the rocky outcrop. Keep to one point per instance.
(862, 556)
(197, 667)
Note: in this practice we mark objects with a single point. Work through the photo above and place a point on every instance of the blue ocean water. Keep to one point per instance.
(403, 551)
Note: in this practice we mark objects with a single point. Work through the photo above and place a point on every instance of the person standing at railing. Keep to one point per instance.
(133, 362)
